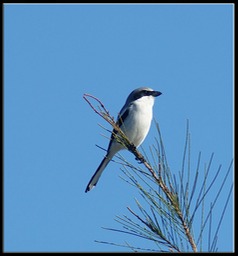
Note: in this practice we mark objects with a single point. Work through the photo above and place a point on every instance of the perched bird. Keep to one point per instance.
(134, 120)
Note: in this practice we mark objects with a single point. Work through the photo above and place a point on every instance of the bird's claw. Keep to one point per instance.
(132, 147)
(140, 160)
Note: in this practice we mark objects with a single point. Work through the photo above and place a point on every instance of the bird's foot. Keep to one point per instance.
(132, 148)
(140, 160)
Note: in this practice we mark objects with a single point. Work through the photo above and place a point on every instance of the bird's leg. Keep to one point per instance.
(132, 148)
(139, 158)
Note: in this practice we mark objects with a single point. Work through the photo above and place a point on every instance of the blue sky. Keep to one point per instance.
(53, 54)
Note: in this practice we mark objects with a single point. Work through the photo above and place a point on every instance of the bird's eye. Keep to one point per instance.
(141, 94)
(147, 93)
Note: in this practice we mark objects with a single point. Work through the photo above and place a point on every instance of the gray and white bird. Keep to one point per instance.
(134, 120)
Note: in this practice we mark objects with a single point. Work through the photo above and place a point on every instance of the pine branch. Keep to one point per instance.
(169, 193)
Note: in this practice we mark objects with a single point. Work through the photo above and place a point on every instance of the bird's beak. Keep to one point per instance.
(156, 93)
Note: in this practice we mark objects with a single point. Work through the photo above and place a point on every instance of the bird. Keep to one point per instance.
(134, 119)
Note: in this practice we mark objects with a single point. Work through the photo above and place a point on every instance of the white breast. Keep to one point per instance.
(137, 126)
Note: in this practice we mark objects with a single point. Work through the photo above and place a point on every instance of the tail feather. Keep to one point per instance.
(93, 182)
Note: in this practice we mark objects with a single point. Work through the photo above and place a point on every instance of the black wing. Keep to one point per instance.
(120, 121)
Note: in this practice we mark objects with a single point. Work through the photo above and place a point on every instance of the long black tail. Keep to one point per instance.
(93, 182)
